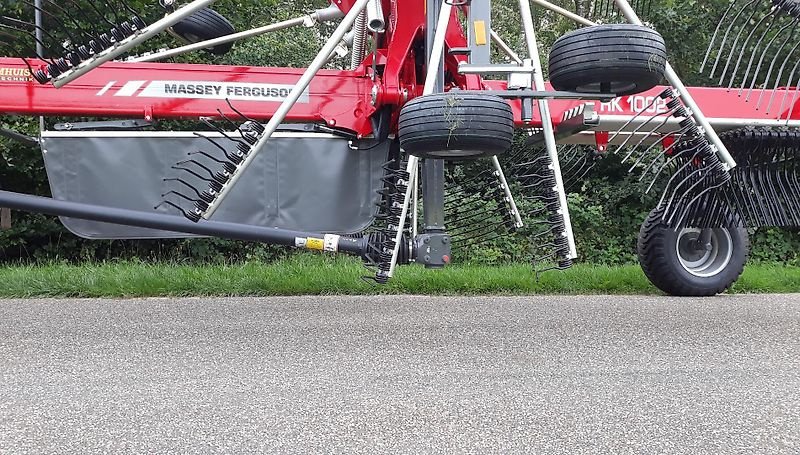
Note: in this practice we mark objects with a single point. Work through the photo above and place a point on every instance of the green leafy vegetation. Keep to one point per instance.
(320, 275)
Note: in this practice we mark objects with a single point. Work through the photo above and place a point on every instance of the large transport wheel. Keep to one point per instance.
(620, 59)
(204, 25)
(678, 262)
(456, 126)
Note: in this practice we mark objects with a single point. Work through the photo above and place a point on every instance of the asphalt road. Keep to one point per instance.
(401, 375)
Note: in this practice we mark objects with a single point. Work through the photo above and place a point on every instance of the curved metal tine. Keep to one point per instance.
(98, 13)
(771, 197)
(471, 216)
(692, 202)
(587, 170)
(669, 161)
(749, 191)
(496, 233)
(479, 228)
(761, 62)
(575, 176)
(237, 111)
(794, 96)
(466, 227)
(744, 49)
(578, 159)
(678, 172)
(794, 184)
(716, 33)
(767, 167)
(207, 155)
(229, 121)
(185, 183)
(679, 135)
(740, 198)
(662, 95)
(577, 163)
(791, 176)
(173, 205)
(32, 51)
(533, 163)
(199, 164)
(735, 46)
(66, 13)
(784, 198)
(128, 7)
(698, 176)
(669, 115)
(727, 33)
(31, 33)
(774, 60)
(749, 180)
(222, 132)
(633, 133)
(780, 76)
(227, 155)
(181, 195)
(179, 168)
(49, 14)
(570, 154)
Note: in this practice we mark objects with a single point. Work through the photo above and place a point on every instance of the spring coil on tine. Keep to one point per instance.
(381, 244)
(199, 165)
(82, 41)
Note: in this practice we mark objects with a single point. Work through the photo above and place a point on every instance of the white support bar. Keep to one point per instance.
(330, 13)
(506, 48)
(295, 94)
(498, 169)
(130, 42)
(547, 124)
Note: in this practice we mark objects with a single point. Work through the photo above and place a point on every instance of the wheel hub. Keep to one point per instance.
(699, 260)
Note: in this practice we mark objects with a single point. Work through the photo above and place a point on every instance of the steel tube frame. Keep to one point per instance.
(233, 231)
(672, 76)
(321, 15)
(282, 111)
(547, 124)
(506, 48)
(130, 42)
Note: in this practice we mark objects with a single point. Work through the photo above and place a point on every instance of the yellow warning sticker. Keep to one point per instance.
(480, 33)
(315, 244)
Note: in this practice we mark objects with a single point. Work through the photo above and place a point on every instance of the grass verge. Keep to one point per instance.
(314, 275)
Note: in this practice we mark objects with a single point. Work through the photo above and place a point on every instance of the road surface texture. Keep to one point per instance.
(401, 374)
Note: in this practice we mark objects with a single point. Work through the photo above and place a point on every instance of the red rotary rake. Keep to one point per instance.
(301, 157)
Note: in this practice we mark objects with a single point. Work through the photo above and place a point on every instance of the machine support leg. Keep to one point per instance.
(434, 243)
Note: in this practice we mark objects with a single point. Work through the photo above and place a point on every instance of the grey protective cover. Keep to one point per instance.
(301, 181)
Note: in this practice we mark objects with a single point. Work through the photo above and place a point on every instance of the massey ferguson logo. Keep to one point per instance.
(235, 91)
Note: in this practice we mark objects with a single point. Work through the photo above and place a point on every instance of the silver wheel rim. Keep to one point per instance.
(702, 263)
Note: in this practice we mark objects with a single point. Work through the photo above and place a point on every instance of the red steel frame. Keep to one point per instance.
(341, 99)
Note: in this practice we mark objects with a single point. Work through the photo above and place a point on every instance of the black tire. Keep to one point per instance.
(682, 274)
(620, 59)
(456, 126)
(204, 25)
